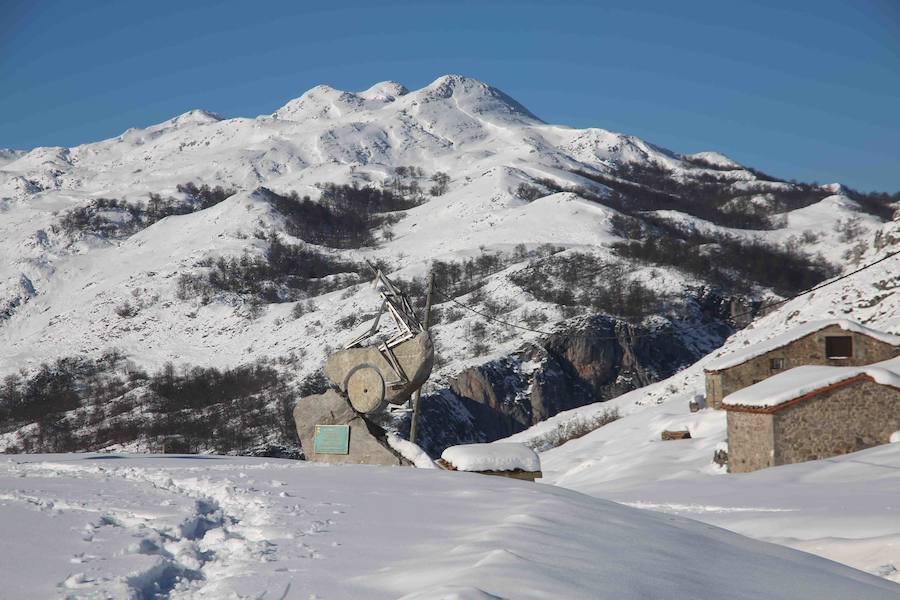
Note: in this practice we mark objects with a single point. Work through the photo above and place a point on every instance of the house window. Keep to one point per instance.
(838, 346)
(776, 364)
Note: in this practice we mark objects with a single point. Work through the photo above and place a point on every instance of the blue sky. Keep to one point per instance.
(808, 91)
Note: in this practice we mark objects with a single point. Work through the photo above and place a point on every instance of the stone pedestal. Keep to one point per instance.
(368, 444)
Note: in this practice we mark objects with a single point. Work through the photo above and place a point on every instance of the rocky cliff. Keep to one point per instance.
(595, 358)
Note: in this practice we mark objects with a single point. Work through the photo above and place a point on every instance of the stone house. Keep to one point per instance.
(810, 413)
(835, 342)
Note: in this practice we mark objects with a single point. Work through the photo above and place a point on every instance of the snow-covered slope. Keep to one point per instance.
(842, 508)
(868, 297)
(99, 526)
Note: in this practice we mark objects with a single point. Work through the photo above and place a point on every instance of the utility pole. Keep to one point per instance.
(418, 394)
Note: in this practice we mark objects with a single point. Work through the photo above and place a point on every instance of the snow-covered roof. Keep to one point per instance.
(492, 457)
(744, 354)
(801, 381)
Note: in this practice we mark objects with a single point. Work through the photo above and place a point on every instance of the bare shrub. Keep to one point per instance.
(855, 252)
(574, 428)
(528, 192)
(809, 237)
(302, 308)
(126, 310)
(479, 348)
(441, 182)
(534, 318)
(849, 229)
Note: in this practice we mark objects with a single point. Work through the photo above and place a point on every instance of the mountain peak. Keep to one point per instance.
(317, 102)
(486, 98)
(326, 102)
(448, 85)
(386, 90)
(196, 116)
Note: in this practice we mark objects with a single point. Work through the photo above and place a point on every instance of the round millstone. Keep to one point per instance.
(365, 388)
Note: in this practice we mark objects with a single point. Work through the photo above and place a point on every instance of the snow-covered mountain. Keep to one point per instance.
(121, 256)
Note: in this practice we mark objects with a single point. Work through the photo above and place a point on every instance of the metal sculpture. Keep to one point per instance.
(371, 377)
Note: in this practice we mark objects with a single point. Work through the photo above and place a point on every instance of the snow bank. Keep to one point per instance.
(739, 356)
(411, 452)
(492, 457)
(799, 381)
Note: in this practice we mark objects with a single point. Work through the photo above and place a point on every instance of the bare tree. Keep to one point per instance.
(441, 182)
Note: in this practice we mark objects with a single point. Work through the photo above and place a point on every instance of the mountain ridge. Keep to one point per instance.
(160, 244)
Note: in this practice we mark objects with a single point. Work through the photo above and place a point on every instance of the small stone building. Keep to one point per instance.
(810, 413)
(836, 342)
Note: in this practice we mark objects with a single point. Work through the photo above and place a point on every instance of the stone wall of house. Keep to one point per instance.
(713, 389)
(842, 420)
(750, 441)
(808, 350)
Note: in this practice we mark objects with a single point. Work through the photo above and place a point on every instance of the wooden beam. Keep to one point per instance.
(418, 394)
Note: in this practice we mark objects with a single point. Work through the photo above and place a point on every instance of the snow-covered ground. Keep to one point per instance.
(138, 526)
(846, 508)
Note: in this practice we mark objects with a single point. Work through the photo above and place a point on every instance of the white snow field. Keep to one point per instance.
(139, 526)
(846, 508)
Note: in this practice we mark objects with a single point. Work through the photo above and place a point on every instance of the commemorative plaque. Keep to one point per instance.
(332, 439)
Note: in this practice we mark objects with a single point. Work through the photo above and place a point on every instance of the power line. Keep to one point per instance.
(746, 313)
(822, 285)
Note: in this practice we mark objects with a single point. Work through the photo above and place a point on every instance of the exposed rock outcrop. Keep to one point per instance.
(368, 442)
(598, 358)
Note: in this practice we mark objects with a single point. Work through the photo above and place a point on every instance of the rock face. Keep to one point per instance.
(13, 294)
(720, 457)
(368, 444)
(668, 436)
(599, 358)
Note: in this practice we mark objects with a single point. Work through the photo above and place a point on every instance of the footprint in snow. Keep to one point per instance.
(316, 527)
(309, 551)
(81, 558)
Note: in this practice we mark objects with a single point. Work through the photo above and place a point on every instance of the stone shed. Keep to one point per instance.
(835, 342)
(810, 413)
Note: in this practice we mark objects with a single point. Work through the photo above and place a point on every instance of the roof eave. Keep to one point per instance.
(799, 399)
